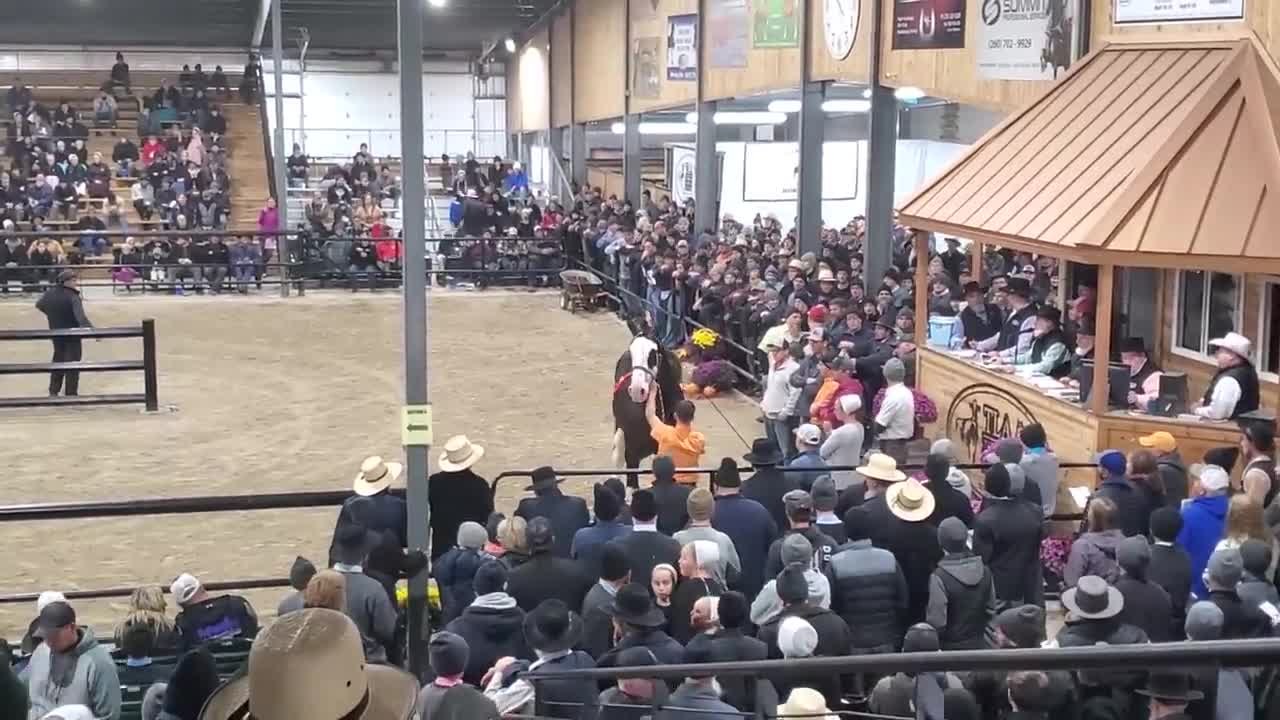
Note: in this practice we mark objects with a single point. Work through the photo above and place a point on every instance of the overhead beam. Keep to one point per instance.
(260, 24)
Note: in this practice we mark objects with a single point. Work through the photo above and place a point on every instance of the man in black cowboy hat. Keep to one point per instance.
(546, 575)
(1015, 333)
(567, 513)
(768, 483)
(551, 630)
(979, 320)
(1144, 375)
(1048, 353)
(1094, 607)
(1169, 692)
(64, 308)
(639, 623)
(746, 521)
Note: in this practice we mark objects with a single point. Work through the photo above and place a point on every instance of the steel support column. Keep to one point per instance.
(809, 193)
(413, 204)
(277, 157)
(881, 150)
(578, 153)
(706, 172)
(631, 159)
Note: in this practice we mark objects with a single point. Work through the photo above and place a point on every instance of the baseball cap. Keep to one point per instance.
(796, 500)
(1212, 477)
(809, 434)
(185, 588)
(1161, 440)
(55, 615)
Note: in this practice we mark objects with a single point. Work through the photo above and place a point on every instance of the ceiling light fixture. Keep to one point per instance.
(748, 117)
(785, 106)
(908, 94)
(847, 106)
(658, 128)
(867, 93)
(437, 3)
(509, 44)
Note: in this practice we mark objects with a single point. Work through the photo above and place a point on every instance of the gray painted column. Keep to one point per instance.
(413, 204)
(706, 172)
(282, 182)
(809, 193)
(881, 149)
(578, 153)
(555, 143)
(631, 159)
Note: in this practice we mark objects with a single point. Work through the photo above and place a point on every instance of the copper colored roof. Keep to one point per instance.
(1170, 151)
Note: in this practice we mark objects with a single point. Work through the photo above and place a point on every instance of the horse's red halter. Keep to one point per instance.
(626, 378)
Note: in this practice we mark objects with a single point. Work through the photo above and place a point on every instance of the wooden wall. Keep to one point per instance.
(600, 48)
(766, 69)
(854, 68)
(562, 70)
(528, 93)
(1262, 16)
(648, 21)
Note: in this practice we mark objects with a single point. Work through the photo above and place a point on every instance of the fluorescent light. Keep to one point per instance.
(750, 117)
(658, 128)
(437, 3)
(846, 106)
(908, 94)
(509, 44)
(867, 93)
(784, 106)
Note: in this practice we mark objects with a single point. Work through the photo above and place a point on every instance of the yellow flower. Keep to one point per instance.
(705, 338)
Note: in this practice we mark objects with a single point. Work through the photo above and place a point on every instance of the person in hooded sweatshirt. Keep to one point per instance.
(948, 501)
(1009, 451)
(795, 549)
(956, 477)
(455, 571)
(1094, 552)
(1170, 565)
(962, 596)
(1256, 586)
(799, 511)
(833, 634)
(448, 696)
(1203, 521)
(1007, 534)
(1146, 604)
(492, 625)
(1113, 484)
(911, 695)
(70, 667)
(1040, 465)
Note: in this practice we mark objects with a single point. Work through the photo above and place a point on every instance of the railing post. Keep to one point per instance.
(149, 373)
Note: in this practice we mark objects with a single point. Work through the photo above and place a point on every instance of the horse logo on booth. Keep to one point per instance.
(982, 413)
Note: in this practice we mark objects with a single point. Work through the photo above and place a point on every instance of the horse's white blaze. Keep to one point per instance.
(642, 349)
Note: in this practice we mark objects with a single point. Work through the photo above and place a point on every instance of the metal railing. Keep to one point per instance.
(340, 144)
(147, 365)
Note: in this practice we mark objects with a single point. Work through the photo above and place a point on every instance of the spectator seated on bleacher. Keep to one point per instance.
(388, 184)
(98, 180)
(152, 148)
(299, 167)
(65, 199)
(14, 263)
(249, 79)
(128, 259)
(246, 257)
(143, 196)
(363, 263)
(120, 74)
(218, 81)
(215, 125)
(136, 645)
(124, 155)
(104, 111)
(321, 216)
(91, 225)
(205, 617)
(70, 667)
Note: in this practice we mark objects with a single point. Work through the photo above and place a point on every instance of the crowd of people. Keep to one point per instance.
(178, 181)
(773, 565)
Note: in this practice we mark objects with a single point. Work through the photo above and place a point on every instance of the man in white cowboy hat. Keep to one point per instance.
(878, 473)
(807, 703)
(912, 540)
(310, 664)
(456, 493)
(1233, 391)
(373, 507)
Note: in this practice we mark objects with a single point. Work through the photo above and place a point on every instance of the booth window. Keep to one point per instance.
(1269, 332)
(1208, 307)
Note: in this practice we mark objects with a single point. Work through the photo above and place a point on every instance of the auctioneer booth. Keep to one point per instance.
(1155, 160)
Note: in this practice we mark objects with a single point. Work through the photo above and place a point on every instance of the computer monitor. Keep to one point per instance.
(1117, 382)
(1171, 398)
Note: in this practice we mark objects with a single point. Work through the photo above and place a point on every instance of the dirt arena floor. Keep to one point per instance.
(271, 395)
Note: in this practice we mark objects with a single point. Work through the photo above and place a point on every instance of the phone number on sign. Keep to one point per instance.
(1009, 43)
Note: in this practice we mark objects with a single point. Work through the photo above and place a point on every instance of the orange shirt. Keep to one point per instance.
(683, 444)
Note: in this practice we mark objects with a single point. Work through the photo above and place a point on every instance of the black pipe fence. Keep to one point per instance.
(147, 365)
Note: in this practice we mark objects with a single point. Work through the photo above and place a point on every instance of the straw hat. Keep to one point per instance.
(881, 467)
(806, 702)
(459, 454)
(310, 664)
(1236, 343)
(375, 476)
(910, 500)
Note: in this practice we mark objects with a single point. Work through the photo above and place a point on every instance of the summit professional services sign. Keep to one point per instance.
(1027, 39)
(1164, 11)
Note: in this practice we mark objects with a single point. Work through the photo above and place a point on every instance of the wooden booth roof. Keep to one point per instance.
(1145, 154)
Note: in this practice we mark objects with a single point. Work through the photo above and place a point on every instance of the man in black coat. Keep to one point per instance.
(1239, 621)
(913, 541)
(672, 496)
(64, 308)
(1146, 604)
(456, 494)
(798, 506)
(1170, 565)
(644, 545)
(793, 589)
(1007, 534)
(566, 513)
(374, 507)
(948, 501)
(634, 613)
(747, 523)
(768, 484)
(1095, 608)
(492, 625)
(547, 576)
(868, 589)
(597, 623)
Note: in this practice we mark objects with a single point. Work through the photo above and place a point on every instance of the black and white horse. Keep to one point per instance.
(645, 362)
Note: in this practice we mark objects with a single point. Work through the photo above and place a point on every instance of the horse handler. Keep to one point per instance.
(64, 307)
(680, 442)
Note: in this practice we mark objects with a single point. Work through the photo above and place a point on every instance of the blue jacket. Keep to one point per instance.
(515, 180)
(808, 459)
(1203, 520)
(588, 543)
(752, 530)
(455, 212)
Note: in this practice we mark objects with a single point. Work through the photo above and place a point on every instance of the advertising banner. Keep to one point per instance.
(646, 69)
(1027, 39)
(928, 24)
(775, 24)
(727, 33)
(682, 47)
(683, 173)
(1163, 11)
(771, 171)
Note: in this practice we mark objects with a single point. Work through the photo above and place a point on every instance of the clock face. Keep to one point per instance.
(841, 26)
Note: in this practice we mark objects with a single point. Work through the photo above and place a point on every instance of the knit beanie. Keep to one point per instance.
(472, 535)
(491, 525)
(700, 504)
(1133, 555)
(1166, 523)
(996, 480)
(733, 610)
(921, 637)
(796, 637)
(857, 524)
(301, 573)
(1255, 555)
(823, 494)
(1204, 621)
(936, 468)
(727, 474)
(448, 653)
(491, 577)
(1022, 625)
(953, 536)
(1009, 450)
(1225, 569)
(792, 586)
(796, 548)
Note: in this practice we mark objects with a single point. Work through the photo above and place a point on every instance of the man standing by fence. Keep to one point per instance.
(64, 308)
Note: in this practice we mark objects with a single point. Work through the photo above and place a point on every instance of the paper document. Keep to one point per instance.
(1080, 495)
